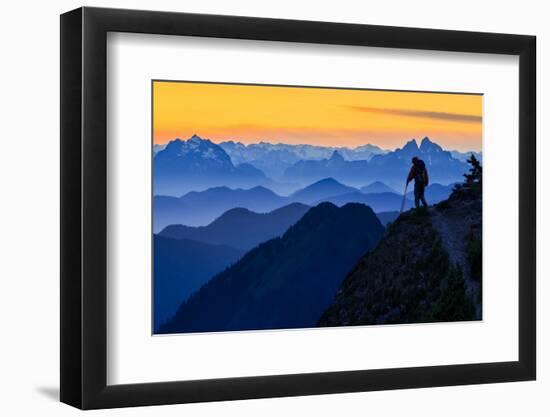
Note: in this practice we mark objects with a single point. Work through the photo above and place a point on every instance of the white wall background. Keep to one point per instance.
(29, 212)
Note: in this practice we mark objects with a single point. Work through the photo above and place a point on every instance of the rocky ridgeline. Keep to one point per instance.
(427, 268)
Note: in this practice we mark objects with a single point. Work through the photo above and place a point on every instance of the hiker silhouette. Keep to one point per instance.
(419, 173)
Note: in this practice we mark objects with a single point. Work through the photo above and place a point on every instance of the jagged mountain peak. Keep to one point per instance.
(428, 146)
(194, 145)
(410, 145)
(425, 139)
(193, 138)
(197, 138)
(198, 163)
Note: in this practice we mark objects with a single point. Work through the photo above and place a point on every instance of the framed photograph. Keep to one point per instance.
(257, 208)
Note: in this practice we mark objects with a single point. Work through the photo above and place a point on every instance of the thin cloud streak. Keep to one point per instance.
(451, 117)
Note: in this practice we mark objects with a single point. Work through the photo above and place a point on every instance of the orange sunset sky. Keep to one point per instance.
(317, 116)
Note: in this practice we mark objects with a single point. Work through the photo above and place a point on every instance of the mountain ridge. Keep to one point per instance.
(287, 281)
(426, 268)
(199, 208)
(197, 163)
(390, 167)
(376, 187)
(240, 227)
(274, 158)
(326, 187)
(379, 202)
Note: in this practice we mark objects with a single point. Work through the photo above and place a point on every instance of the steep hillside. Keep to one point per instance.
(286, 282)
(180, 268)
(427, 268)
(387, 217)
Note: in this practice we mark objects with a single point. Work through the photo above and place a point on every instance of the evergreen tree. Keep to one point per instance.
(472, 185)
(474, 176)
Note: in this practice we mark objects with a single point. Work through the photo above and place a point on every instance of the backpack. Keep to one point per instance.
(420, 176)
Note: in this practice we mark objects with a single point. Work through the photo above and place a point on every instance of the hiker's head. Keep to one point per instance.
(415, 160)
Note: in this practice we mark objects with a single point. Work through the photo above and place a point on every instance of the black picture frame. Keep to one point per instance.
(84, 207)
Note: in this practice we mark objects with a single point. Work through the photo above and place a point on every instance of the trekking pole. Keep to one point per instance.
(404, 197)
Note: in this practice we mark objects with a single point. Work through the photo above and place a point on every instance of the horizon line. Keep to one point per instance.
(266, 141)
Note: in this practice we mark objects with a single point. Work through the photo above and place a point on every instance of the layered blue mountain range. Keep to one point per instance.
(240, 228)
(379, 202)
(274, 159)
(435, 193)
(377, 187)
(464, 156)
(390, 168)
(327, 187)
(220, 219)
(286, 282)
(199, 208)
(197, 164)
